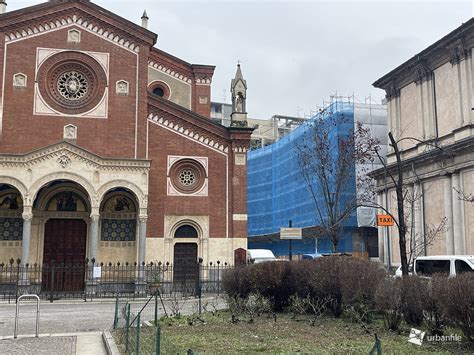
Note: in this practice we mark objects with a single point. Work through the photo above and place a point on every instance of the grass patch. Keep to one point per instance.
(215, 334)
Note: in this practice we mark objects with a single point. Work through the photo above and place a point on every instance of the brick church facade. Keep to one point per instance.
(107, 150)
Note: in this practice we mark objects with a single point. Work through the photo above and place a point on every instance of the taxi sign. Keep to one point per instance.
(385, 220)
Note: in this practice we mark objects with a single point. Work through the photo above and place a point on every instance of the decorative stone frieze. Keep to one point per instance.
(69, 21)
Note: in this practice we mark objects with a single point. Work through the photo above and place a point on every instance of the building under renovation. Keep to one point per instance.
(277, 192)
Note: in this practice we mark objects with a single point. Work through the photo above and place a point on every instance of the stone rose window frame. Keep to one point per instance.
(187, 176)
(72, 82)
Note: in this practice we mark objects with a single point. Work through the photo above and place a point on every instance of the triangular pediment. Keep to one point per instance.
(63, 153)
(54, 14)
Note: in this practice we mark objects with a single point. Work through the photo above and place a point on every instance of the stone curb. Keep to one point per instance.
(109, 343)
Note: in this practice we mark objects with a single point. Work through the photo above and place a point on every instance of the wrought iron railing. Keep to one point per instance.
(91, 280)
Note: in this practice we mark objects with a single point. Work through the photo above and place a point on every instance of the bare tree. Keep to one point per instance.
(395, 175)
(327, 156)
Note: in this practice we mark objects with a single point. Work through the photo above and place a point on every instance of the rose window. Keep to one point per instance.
(187, 177)
(72, 82)
(72, 85)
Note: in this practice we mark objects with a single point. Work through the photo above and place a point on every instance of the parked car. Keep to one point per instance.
(450, 265)
(310, 256)
(255, 256)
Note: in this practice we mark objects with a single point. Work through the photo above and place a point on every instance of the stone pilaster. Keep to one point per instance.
(457, 216)
(448, 211)
(94, 233)
(26, 238)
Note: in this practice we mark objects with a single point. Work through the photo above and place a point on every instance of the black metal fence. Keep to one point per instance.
(95, 280)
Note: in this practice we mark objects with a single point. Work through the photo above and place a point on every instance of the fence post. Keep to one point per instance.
(127, 326)
(158, 339)
(138, 334)
(156, 308)
(116, 312)
(52, 282)
(218, 278)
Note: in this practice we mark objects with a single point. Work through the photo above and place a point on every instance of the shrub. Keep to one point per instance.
(434, 314)
(414, 296)
(388, 300)
(237, 282)
(348, 281)
(274, 281)
(457, 302)
(341, 279)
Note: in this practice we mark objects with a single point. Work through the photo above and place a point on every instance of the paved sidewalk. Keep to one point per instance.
(55, 344)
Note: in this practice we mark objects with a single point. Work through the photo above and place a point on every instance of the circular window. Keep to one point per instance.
(187, 176)
(72, 82)
(72, 85)
(158, 91)
(159, 88)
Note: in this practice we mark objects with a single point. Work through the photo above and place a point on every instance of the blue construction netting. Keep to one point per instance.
(276, 189)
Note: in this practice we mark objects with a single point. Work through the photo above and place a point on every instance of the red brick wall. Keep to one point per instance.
(163, 143)
(111, 137)
(203, 91)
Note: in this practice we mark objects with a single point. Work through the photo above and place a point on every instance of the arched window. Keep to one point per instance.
(186, 231)
(118, 217)
(11, 207)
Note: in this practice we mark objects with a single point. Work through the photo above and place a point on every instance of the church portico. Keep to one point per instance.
(66, 183)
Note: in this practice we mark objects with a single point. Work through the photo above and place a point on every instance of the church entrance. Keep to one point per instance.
(186, 267)
(64, 255)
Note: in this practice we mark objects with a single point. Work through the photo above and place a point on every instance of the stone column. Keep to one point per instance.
(25, 248)
(142, 239)
(457, 216)
(420, 248)
(94, 233)
(448, 211)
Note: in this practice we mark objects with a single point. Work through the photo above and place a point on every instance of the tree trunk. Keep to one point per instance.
(402, 230)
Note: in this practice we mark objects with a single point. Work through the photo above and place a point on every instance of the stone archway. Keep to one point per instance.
(60, 235)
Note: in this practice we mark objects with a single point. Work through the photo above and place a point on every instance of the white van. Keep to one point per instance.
(451, 265)
(256, 256)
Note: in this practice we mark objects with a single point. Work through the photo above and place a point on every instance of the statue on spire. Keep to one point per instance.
(238, 88)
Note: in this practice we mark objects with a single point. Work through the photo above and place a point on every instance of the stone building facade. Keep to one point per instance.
(430, 109)
(107, 150)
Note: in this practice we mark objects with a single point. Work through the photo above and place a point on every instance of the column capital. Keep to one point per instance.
(143, 218)
(27, 213)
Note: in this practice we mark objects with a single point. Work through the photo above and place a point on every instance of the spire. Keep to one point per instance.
(238, 73)
(238, 88)
(145, 19)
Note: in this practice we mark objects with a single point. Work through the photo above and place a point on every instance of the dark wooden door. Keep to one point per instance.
(186, 267)
(64, 255)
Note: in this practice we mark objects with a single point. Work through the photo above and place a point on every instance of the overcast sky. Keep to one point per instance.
(294, 54)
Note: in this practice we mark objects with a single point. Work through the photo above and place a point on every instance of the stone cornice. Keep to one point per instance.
(178, 68)
(194, 120)
(451, 48)
(24, 23)
(63, 152)
(429, 157)
(194, 134)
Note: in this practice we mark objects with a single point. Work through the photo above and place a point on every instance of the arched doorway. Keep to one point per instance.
(185, 256)
(63, 207)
